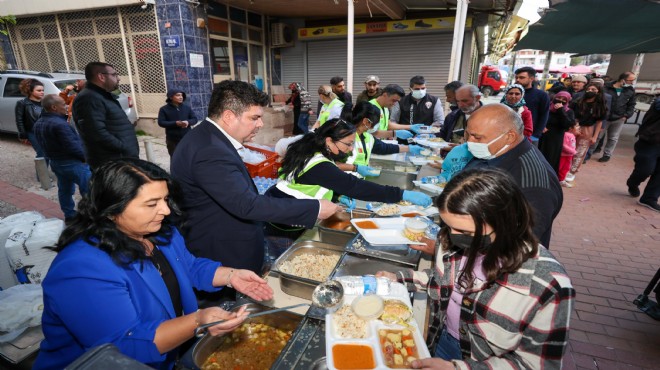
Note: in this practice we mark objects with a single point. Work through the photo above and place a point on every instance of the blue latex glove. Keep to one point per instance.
(417, 198)
(403, 134)
(414, 149)
(348, 202)
(415, 128)
(367, 171)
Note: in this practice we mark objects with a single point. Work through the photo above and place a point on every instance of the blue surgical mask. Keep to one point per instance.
(419, 94)
(480, 150)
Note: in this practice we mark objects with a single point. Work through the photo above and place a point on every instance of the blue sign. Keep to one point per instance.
(172, 41)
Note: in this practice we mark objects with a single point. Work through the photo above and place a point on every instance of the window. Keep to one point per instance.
(561, 60)
(220, 51)
(494, 75)
(11, 88)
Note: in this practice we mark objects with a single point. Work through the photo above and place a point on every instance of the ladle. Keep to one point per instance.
(327, 295)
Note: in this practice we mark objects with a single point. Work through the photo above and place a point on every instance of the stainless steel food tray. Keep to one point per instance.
(358, 265)
(399, 253)
(331, 222)
(295, 285)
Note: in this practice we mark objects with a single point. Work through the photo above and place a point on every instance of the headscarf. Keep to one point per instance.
(522, 96)
(564, 94)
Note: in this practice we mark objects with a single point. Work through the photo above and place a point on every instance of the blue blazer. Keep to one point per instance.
(224, 210)
(90, 300)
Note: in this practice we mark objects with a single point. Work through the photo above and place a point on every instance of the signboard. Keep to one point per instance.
(405, 25)
(172, 41)
(197, 60)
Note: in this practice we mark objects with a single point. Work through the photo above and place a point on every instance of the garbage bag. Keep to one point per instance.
(21, 307)
(28, 258)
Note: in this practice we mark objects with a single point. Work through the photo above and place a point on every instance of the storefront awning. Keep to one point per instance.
(597, 27)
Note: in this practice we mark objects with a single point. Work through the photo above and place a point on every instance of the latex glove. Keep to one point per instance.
(403, 134)
(417, 198)
(367, 171)
(348, 202)
(415, 149)
(415, 128)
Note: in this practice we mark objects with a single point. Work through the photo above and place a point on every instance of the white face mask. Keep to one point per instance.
(480, 150)
(418, 94)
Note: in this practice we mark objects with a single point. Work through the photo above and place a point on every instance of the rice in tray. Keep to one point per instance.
(347, 325)
(315, 267)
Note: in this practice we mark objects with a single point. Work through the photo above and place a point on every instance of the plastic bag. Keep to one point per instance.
(283, 144)
(21, 307)
(27, 256)
(7, 276)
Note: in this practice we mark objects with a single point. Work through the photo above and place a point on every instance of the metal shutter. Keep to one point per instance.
(395, 59)
(293, 66)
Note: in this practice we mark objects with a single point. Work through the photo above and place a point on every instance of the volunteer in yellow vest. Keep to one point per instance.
(331, 108)
(309, 172)
(365, 118)
(391, 95)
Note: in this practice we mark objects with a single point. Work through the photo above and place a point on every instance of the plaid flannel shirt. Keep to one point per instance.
(521, 321)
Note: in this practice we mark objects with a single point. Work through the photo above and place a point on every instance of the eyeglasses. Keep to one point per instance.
(351, 145)
(111, 74)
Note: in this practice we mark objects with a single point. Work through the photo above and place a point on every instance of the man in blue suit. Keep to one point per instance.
(225, 211)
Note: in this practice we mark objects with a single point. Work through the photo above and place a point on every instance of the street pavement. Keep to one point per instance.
(608, 243)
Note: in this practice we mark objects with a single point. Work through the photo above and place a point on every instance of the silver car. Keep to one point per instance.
(54, 83)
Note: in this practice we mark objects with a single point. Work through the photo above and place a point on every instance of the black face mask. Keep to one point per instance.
(464, 242)
(589, 94)
(339, 157)
(558, 102)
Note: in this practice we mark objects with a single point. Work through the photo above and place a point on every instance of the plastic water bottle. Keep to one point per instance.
(430, 180)
(367, 284)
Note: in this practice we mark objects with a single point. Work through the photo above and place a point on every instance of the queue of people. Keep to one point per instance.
(131, 272)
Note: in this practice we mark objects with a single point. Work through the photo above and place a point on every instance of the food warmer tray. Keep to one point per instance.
(399, 253)
(356, 265)
(306, 348)
(295, 285)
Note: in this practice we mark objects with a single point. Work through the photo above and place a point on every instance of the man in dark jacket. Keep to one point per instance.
(418, 106)
(371, 90)
(339, 88)
(647, 159)
(176, 117)
(64, 148)
(537, 101)
(467, 98)
(623, 106)
(104, 128)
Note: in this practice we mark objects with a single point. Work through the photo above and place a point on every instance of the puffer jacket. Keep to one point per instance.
(104, 128)
(623, 104)
(27, 113)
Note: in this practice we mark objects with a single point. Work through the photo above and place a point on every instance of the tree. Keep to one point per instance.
(4, 21)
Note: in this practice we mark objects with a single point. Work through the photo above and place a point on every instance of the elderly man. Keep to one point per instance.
(418, 106)
(64, 149)
(371, 90)
(225, 211)
(104, 128)
(577, 85)
(495, 138)
(468, 101)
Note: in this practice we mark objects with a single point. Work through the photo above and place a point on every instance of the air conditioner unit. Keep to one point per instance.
(281, 35)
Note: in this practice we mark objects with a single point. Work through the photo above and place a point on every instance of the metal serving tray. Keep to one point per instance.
(399, 253)
(295, 285)
(354, 265)
(341, 221)
(306, 348)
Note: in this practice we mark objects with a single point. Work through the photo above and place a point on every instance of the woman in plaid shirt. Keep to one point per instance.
(502, 300)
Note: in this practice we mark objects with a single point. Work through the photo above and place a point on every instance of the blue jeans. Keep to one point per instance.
(303, 122)
(32, 138)
(69, 174)
(448, 347)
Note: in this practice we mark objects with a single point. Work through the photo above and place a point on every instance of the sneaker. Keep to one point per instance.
(399, 26)
(650, 205)
(604, 159)
(566, 184)
(570, 177)
(633, 190)
(318, 31)
(420, 24)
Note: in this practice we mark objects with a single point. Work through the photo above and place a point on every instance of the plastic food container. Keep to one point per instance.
(376, 170)
(399, 168)
(425, 152)
(368, 307)
(415, 228)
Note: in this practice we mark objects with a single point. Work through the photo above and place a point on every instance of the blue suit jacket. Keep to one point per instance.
(225, 212)
(90, 300)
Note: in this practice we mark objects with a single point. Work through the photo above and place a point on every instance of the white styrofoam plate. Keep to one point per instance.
(389, 232)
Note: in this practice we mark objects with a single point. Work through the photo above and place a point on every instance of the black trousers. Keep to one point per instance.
(647, 164)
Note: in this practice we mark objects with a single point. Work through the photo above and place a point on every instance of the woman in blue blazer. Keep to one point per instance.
(123, 274)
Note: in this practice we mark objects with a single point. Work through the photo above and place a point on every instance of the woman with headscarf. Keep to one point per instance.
(514, 99)
(560, 119)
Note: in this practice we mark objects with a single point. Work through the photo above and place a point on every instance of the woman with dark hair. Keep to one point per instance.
(503, 300)
(28, 111)
(560, 119)
(590, 111)
(365, 117)
(123, 274)
(309, 171)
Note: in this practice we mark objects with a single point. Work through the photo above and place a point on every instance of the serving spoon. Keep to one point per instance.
(327, 295)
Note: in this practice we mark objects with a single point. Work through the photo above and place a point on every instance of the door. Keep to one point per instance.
(10, 95)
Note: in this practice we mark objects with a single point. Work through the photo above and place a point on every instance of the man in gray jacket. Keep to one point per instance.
(623, 105)
(103, 125)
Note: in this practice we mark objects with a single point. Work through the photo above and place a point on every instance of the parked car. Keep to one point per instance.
(54, 83)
